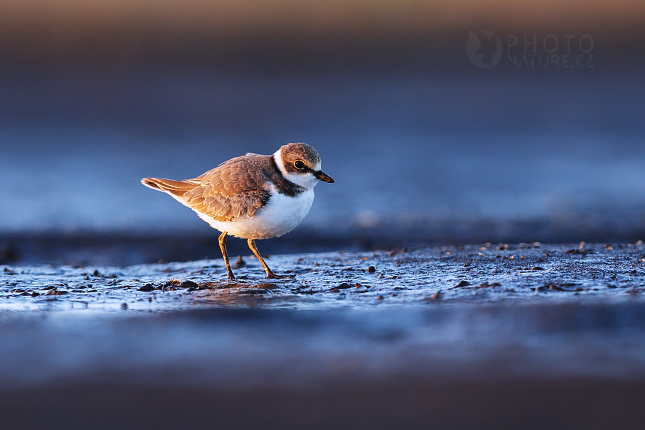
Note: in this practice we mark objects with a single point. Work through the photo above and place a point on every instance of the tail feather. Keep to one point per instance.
(172, 187)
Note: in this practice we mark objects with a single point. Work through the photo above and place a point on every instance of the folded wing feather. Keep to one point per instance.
(231, 190)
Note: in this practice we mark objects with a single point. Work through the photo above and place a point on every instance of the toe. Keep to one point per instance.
(272, 275)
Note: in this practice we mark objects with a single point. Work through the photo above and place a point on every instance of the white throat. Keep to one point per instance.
(308, 181)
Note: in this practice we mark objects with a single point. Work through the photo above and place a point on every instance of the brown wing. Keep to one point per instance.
(231, 190)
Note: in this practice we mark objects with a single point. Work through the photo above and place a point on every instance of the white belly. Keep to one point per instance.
(281, 215)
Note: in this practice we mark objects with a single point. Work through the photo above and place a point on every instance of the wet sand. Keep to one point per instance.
(478, 336)
(451, 275)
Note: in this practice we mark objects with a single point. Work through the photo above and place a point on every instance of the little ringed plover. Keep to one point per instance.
(252, 196)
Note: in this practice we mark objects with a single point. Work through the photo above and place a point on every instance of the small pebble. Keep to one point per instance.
(147, 287)
(188, 284)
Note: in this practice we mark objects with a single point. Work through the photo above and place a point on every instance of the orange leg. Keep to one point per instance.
(222, 246)
(269, 272)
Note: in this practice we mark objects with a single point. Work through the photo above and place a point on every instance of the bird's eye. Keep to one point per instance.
(299, 165)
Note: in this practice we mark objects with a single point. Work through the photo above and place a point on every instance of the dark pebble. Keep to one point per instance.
(147, 287)
(345, 286)
(371, 269)
(462, 284)
(188, 284)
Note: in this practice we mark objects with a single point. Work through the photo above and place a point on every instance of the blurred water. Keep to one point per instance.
(410, 153)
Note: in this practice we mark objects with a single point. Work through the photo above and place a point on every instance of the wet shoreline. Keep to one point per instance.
(524, 273)
(533, 335)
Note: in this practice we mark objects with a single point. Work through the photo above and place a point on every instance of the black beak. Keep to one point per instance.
(323, 177)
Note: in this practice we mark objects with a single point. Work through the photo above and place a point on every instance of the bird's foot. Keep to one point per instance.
(272, 275)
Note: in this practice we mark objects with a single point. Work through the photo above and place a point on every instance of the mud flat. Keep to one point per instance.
(479, 336)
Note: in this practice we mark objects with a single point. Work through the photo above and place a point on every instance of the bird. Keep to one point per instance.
(252, 196)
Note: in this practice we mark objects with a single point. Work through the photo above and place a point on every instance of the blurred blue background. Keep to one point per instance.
(425, 145)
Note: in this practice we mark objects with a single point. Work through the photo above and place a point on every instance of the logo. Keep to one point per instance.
(531, 51)
(484, 48)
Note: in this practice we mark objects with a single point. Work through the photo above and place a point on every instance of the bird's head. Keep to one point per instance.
(300, 164)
